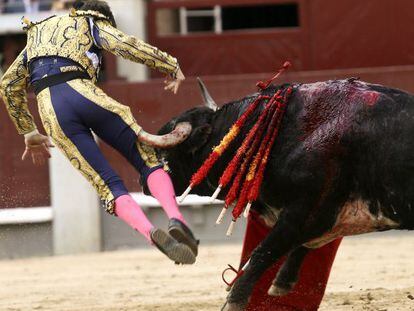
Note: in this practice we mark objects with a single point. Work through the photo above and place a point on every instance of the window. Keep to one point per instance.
(264, 16)
(200, 20)
(218, 19)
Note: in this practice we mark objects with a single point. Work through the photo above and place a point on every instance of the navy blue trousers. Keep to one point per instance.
(71, 111)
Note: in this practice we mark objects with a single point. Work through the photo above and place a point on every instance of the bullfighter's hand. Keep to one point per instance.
(174, 84)
(37, 146)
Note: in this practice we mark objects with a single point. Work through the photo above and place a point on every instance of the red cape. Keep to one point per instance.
(308, 292)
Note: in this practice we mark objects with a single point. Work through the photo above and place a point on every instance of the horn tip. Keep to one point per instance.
(201, 83)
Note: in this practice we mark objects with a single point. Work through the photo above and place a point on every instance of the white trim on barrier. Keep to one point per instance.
(148, 201)
(31, 215)
(14, 216)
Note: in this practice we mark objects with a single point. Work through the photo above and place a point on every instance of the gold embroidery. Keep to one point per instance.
(69, 36)
(69, 68)
(63, 36)
(13, 91)
(90, 91)
(134, 49)
(148, 154)
(88, 13)
(93, 93)
(54, 130)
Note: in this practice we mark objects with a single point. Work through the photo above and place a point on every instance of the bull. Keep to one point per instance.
(342, 165)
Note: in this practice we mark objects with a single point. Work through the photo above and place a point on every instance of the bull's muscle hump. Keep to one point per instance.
(330, 110)
(353, 219)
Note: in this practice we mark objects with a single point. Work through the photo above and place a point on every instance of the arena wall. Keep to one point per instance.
(329, 35)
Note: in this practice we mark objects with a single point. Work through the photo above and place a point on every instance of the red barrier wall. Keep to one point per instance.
(331, 35)
(22, 184)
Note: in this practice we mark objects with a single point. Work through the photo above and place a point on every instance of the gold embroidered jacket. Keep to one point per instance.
(73, 36)
(13, 90)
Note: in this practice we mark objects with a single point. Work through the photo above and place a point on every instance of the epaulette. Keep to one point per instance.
(89, 13)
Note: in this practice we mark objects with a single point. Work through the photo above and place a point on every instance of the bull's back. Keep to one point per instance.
(380, 137)
(367, 130)
(359, 136)
(353, 114)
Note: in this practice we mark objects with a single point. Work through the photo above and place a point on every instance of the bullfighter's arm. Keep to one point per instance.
(13, 90)
(131, 48)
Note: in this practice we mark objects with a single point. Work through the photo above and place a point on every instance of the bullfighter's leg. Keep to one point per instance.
(76, 141)
(110, 121)
(66, 116)
(161, 187)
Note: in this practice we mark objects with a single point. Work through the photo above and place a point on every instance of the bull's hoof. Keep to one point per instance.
(276, 291)
(230, 306)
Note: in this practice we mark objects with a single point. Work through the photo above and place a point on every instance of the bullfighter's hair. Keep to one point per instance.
(96, 5)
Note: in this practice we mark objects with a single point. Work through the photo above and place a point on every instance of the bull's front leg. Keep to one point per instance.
(288, 274)
(283, 238)
(321, 222)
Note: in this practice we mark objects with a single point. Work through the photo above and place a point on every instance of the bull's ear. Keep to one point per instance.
(198, 138)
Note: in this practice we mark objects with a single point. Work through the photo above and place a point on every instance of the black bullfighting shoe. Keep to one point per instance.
(179, 231)
(177, 252)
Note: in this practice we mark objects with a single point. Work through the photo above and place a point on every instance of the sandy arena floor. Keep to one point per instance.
(369, 274)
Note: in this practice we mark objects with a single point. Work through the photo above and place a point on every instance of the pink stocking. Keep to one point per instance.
(161, 187)
(130, 212)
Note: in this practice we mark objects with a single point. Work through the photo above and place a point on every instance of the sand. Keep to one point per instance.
(370, 273)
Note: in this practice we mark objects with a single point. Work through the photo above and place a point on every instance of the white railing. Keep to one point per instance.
(32, 215)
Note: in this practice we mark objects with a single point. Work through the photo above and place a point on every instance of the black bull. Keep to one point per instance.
(342, 165)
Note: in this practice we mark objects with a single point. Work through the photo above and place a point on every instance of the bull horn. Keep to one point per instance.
(208, 100)
(181, 131)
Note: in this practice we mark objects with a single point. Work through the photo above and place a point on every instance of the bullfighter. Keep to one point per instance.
(61, 61)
